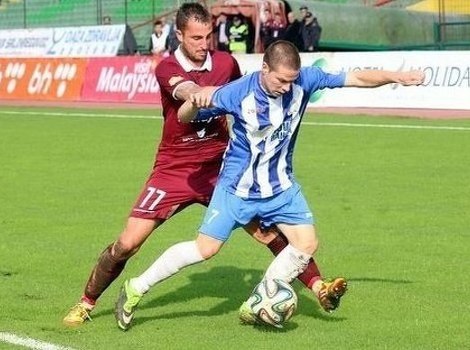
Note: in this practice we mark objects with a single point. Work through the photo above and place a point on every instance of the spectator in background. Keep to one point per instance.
(238, 36)
(222, 31)
(311, 32)
(130, 47)
(250, 41)
(172, 41)
(106, 20)
(278, 27)
(166, 26)
(158, 39)
(265, 31)
(303, 13)
(317, 33)
(293, 32)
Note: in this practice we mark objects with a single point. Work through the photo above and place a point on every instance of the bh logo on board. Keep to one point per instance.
(14, 72)
(320, 63)
(47, 77)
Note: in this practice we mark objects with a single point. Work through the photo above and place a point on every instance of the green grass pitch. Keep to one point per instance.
(392, 208)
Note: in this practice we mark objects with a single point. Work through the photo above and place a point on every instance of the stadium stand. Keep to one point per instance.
(395, 24)
(362, 25)
(54, 13)
(21, 14)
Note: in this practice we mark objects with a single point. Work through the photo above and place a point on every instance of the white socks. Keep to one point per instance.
(289, 263)
(286, 266)
(170, 262)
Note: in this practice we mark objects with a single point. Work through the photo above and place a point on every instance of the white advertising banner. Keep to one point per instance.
(446, 86)
(85, 41)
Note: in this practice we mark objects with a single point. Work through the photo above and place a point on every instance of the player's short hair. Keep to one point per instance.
(284, 53)
(191, 10)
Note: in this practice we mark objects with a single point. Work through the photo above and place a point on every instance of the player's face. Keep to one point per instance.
(195, 40)
(278, 81)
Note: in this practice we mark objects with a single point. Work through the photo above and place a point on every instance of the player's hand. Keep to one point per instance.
(202, 98)
(413, 77)
(199, 100)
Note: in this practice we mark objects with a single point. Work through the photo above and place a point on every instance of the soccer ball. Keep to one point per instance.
(273, 301)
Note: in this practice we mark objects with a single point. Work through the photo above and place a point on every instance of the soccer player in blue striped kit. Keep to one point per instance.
(256, 179)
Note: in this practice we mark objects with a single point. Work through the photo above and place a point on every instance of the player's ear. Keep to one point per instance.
(265, 68)
(179, 35)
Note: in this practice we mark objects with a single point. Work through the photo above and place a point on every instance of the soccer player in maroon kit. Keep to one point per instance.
(186, 165)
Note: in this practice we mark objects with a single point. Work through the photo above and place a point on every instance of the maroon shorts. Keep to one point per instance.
(168, 191)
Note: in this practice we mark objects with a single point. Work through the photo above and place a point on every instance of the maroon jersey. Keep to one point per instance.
(189, 156)
(197, 141)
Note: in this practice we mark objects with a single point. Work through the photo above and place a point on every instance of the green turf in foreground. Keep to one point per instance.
(392, 208)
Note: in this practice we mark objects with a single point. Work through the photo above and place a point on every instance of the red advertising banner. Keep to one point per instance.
(52, 79)
(121, 79)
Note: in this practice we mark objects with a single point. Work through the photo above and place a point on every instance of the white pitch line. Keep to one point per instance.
(30, 343)
(339, 124)
(89, 115)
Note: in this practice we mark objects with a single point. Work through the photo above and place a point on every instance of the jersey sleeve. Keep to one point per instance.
(205, 114)
(169, 76)
(224, 98)
(314, 78)
(221, 100)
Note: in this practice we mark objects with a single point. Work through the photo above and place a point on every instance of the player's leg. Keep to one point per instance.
(294, 258)
(109, 266)
(289, 263)
(215, 230)
(291, 210)
(298, 213)
(114, 257)
(328, 293)
(160, 198)
(273, 238)
(174, 259)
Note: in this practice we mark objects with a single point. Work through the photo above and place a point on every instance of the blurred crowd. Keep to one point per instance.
(236, 33)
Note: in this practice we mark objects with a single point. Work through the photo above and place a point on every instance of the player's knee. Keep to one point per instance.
(310, 245)
(208, 252)
(307, 244)
(133, 236)
(124, 249)
(208, 247)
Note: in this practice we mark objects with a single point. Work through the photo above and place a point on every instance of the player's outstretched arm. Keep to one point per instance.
(187, 112)
(374, 78)
(184, 90)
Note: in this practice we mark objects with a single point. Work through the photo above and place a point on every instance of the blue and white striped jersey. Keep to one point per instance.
(258, 159)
